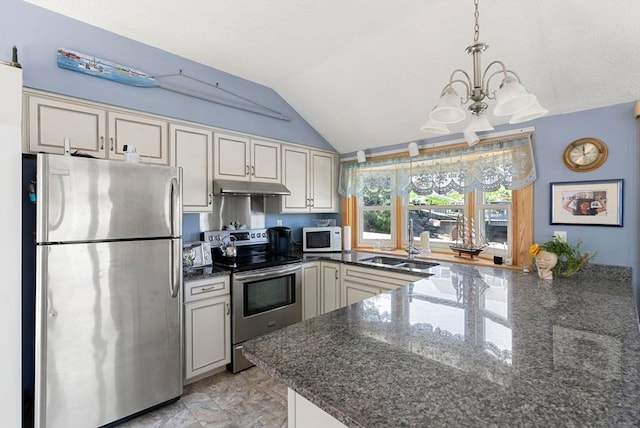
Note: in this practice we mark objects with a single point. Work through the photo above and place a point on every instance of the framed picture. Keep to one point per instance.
(596, 203)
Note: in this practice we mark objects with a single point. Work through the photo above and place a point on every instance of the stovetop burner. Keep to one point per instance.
(252, 250)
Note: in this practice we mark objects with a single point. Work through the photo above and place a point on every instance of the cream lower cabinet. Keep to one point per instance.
(243, 158)
(207, 326)
(311, 300)
(311, 176)
(330, 290)
(359, 283)
(320, 288)
(91, 128)
(192, 149)
(302, 413)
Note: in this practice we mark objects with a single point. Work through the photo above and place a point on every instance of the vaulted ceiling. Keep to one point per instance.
(366, 73)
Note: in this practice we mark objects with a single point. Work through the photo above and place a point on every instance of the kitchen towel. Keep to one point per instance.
(347, 238)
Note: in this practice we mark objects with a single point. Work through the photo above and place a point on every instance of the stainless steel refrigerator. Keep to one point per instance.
(108, 287)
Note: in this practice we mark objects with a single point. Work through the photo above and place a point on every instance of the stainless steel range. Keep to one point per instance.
(266, 289)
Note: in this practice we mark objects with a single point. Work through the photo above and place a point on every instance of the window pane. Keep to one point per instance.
(376, 225)
(438, 222)
(495, 223)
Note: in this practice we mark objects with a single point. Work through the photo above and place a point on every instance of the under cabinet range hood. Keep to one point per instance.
(250, 188)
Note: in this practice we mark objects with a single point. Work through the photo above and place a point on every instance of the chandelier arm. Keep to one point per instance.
(466, 83)
(504, 71)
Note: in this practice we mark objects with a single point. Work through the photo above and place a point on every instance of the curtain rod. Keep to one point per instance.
(446, 143)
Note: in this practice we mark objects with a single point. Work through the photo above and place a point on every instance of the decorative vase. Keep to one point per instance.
(545, 261)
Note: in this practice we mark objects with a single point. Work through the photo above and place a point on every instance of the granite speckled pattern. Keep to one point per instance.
(470, 346)
(193, 274)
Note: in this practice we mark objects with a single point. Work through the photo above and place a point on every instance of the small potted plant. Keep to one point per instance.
(569, 258)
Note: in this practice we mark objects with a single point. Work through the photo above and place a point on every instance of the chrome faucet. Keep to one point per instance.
(411, 250)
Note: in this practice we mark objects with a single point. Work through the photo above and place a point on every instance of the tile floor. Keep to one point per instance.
(250, 399)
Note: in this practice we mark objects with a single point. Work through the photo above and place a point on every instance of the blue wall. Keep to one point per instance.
(618, 128)
(38, 33)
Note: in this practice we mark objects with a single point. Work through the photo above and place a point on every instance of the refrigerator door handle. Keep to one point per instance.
(176, 268)
(176, 212)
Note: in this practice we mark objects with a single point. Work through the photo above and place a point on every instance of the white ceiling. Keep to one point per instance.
(366, 73)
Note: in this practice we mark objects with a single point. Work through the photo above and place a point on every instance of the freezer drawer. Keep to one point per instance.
(108, 331)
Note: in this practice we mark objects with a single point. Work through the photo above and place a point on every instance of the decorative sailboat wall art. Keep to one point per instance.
(191, 86)
(466, 241)
(89, 64)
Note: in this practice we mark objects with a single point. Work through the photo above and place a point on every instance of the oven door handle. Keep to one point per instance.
(267, 273)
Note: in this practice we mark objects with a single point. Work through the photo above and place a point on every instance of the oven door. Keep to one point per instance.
(265, 300)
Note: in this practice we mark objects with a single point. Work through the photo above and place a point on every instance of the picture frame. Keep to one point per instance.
(588, 203)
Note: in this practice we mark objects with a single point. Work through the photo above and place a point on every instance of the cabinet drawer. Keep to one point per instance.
(204, 288)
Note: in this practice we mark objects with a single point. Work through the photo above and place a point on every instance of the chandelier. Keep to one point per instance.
(511, 98)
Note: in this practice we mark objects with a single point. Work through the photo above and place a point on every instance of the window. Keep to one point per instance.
(454, 194)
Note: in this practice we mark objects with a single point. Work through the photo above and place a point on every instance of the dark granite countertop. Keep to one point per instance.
(471, 346)
(193, 274)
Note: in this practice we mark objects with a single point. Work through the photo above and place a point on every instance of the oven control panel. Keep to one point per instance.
(241, 237)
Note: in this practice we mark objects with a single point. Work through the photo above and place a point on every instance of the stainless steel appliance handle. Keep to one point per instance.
(176, 267)
(276, 271)
(176, 220)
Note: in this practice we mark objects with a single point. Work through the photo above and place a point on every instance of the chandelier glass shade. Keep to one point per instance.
(511, 98)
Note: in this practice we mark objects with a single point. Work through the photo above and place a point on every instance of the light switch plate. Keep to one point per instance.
(560, 234)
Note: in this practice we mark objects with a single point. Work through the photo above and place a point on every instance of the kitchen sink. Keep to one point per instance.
(381, 260)
(411, 265)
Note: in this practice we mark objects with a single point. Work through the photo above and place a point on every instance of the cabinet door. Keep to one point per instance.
(330, 293)
(207, 335)
(231, 157)
(192, 149)
(265, 161)
(354, 291)
(51, 121)
(295, 171)
(147, 134)
(323, 182)
(311, 300)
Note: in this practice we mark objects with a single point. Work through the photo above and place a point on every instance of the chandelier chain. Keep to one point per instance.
(476, 28)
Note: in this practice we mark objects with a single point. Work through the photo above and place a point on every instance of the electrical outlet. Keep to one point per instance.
(279, 222)
(560, 234)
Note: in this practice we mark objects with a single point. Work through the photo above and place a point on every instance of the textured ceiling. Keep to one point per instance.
(366, 73)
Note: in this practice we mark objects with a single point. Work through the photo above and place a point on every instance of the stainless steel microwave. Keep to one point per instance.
(321, 239)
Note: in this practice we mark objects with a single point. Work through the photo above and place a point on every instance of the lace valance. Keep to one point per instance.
(507, 163)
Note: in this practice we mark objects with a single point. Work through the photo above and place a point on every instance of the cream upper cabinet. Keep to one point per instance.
(323, 182)
(148, 135)
(51, 121)
(311, 177)
(192, 149)
(243, 158)
(92, 129)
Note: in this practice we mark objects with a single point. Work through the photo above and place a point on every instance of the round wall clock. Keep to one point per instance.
(585, 154)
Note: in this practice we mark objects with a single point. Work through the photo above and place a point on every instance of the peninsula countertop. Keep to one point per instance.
(470, 346)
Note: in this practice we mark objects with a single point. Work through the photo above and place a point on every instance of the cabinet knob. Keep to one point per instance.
(228, 309)
(311, 202)
(253, 170)
(247, 173)
(210, 199)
